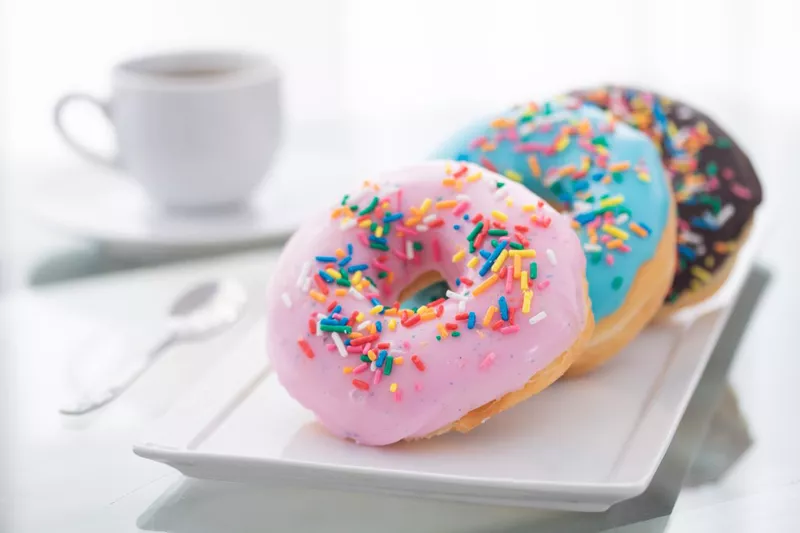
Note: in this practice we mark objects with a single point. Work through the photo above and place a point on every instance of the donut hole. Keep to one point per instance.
(559, 204)
(425, 288)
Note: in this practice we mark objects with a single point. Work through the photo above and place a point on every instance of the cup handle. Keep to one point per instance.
(80, 148)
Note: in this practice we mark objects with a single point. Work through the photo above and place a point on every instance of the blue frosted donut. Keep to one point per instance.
(609, 178)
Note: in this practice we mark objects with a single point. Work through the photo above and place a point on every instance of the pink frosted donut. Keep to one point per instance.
(514, 319)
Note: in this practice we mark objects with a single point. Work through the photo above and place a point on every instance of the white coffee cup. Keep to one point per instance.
(195, 129)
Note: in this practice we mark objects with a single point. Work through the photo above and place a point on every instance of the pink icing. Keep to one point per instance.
(460, 373)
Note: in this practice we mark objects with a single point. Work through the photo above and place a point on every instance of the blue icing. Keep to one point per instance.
(645, 202)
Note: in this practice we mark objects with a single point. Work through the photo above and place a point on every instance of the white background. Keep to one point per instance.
(385, 59)
(397, 65)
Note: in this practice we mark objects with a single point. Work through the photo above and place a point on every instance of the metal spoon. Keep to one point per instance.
(201, 311)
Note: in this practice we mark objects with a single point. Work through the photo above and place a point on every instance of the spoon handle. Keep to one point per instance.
(90, 401)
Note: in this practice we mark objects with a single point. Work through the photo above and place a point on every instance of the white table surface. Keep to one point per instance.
(80, 474)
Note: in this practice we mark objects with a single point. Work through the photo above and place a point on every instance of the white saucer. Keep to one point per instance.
(110, 209)
(312, 167)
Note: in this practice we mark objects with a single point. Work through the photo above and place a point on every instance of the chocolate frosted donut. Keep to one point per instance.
(716, 187)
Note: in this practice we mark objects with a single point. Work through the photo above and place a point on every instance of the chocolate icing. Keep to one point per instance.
(716, 187)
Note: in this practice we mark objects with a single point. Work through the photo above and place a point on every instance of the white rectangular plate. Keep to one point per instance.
(582, 444)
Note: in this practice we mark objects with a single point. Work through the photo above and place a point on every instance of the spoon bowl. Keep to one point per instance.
(206, 308)
(201, 311)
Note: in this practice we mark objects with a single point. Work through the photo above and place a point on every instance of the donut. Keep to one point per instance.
(608, 178)
(716, 187)
(376, 372)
